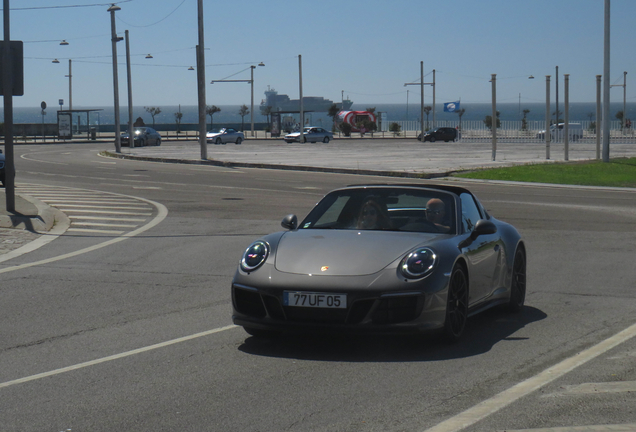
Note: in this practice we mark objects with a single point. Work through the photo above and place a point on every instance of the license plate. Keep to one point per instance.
(315, 300)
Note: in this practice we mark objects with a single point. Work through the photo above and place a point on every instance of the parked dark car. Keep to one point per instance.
(381, 259)
(445, 134)
(1, 168)
(143, 136)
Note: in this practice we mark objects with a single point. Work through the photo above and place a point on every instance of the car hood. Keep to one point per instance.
(293, 134)
(211, 134)
(343, 252)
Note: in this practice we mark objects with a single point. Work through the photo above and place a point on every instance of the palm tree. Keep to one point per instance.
(243, 111)
(460, 113)
(153, 111)
(524, 120)
(211, 110)
(266, 111)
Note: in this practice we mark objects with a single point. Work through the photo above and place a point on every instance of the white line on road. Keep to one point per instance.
(524, 388)
(114, 357)
(627, 427)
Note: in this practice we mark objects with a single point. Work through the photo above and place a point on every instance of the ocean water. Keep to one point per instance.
(229, 114)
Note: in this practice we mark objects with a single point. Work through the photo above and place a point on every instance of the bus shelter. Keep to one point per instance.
(69, 123)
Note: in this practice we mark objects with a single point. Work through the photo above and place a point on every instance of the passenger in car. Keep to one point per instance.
(373, 215)
(436, 214)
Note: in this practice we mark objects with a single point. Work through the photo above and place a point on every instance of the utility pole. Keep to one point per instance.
(606, 83)
(131, 140)
(493, 80)
(201, 83)
(7, 79)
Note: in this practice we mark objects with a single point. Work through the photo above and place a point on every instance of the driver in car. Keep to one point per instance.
(436, 214)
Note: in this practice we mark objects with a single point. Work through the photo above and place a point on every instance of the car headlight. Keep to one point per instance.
(418, 263)
(254, 256)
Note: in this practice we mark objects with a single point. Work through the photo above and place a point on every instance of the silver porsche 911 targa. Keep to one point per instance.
(381, 258)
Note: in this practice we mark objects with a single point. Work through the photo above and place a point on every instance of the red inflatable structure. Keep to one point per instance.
(353, 118)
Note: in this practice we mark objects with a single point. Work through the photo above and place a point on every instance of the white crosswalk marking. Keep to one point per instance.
(93, 211)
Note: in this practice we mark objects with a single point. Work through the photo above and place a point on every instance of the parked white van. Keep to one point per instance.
(575, 132)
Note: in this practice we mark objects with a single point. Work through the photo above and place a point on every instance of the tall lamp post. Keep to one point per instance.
(70, 86)
(251, 82)
(114, 39)
(624, 85)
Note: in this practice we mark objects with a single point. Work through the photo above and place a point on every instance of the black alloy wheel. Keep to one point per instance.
(239, 140)
(518, 282)
(217, 141)
(457, 305)
(432, 139)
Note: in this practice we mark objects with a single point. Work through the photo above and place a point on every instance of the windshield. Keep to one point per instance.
(384, 209)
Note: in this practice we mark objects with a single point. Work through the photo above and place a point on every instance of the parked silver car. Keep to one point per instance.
(142, 136)
(311, 134)
(225, 135)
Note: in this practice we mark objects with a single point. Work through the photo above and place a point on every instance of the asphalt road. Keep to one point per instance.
(131, 331)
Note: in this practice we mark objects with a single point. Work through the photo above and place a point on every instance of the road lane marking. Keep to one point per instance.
(69, 206)
(627, 427)
(524, 388)
(73, 210)
(596, 388)
(105, 225)
(95, 231)
(162, 214)
(106, 218)
(114, 357)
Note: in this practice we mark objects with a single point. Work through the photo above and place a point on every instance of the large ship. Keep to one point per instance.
(283, 104)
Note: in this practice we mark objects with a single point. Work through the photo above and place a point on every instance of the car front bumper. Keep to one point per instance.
(368, 311)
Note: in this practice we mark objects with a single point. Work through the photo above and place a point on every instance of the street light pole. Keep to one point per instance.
(130, 101)
(606, 83)
(493, 123)
(251, 82)
(70, 86)
(7, 82)
(252, 106)
(114, 41)
(201, 82)
(300, 84)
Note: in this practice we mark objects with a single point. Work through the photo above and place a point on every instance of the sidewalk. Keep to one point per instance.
(394, 158)
(30, 218)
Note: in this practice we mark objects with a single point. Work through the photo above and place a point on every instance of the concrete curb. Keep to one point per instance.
(46, 217)
(283, 167)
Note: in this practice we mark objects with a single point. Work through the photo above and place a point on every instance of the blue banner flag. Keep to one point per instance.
(451, 106)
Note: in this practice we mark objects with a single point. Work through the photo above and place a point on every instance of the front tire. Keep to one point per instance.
(456, 305)
(218, 141)
(518, 282)
(158, 142)
(239, 140)
(432, 139)
(326, 140)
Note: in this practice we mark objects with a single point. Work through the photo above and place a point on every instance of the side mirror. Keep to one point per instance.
(483, 227)
(290, 222)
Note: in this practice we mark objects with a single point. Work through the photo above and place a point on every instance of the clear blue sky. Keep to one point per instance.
(368, 49)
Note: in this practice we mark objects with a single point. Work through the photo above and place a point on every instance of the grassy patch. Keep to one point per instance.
(618, 172)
